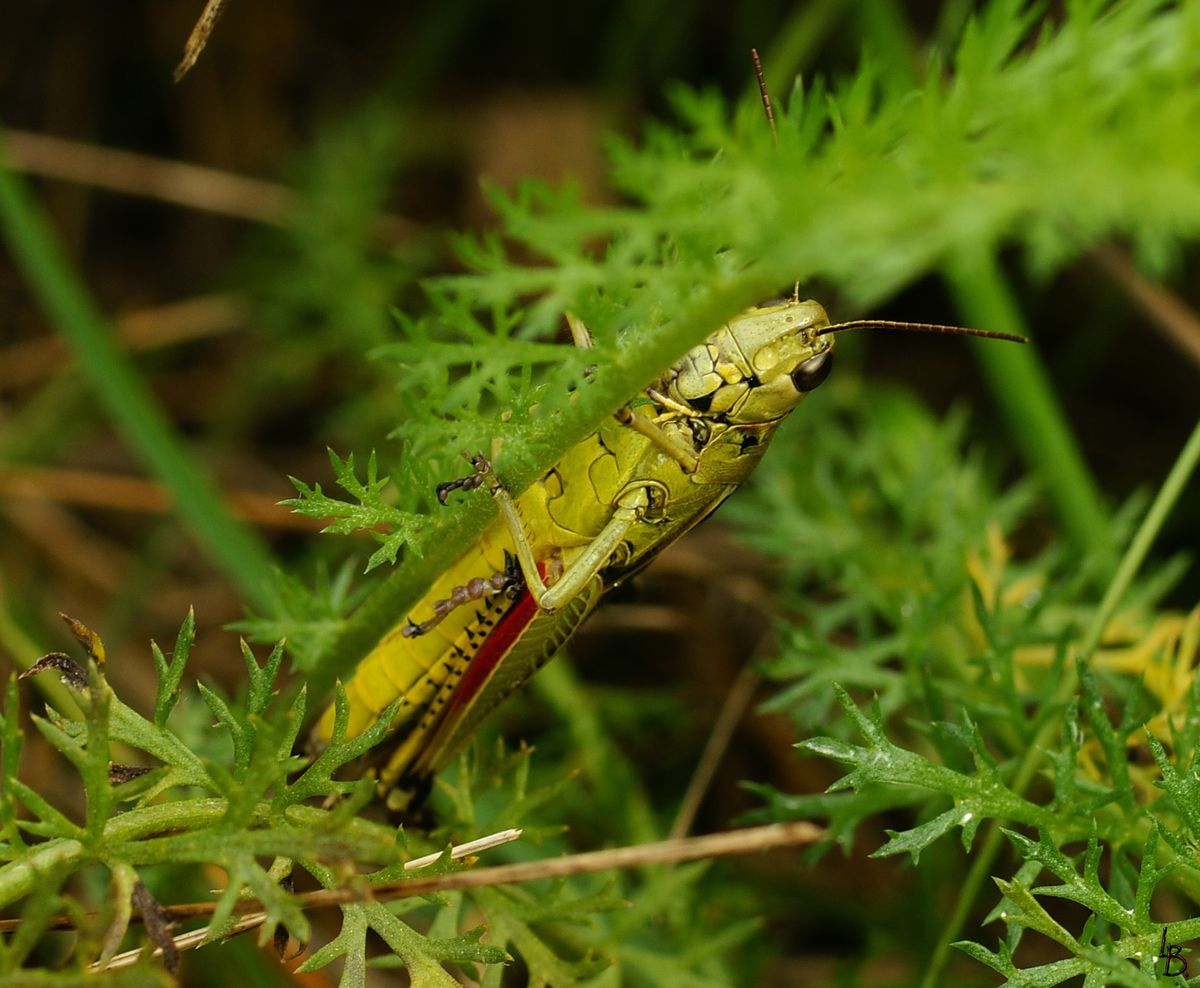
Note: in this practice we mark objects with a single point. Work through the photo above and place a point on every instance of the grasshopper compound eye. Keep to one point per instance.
(809, 374)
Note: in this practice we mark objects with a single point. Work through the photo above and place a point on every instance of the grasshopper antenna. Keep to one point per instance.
(918, 327)
(766, 96)
(912, 327)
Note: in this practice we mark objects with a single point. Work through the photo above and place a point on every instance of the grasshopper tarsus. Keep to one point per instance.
(462, 484)
(483, 470)
(444, 489)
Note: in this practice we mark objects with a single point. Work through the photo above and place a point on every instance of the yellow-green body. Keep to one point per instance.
(601, 513)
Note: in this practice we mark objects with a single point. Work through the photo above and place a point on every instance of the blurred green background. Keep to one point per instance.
(330, 150)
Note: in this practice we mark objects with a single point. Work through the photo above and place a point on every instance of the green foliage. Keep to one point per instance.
(253, 807)
(310, 617)
(370, 514)
(923, 651)
(912, 593)
(910, 597)
(227, 815)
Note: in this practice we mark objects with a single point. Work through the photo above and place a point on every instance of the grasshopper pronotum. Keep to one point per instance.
(600, 514)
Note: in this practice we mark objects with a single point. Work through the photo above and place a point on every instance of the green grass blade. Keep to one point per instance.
(235, 548)
(1035, 419)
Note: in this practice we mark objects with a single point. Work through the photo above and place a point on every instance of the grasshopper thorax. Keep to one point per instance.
(758, 366)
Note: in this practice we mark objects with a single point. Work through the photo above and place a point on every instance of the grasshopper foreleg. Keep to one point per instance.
(508, 583)
(678, 451)
(673, 447)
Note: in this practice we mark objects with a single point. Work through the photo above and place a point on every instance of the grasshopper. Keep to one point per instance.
(660, 466)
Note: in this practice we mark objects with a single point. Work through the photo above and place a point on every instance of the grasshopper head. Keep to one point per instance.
(759, 365)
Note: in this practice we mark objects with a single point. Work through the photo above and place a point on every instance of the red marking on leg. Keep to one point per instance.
(507, 630)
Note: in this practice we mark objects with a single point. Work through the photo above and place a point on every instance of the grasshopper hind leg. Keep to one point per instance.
(509, 583)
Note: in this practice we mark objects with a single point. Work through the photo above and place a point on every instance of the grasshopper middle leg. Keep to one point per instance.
(629, 510)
